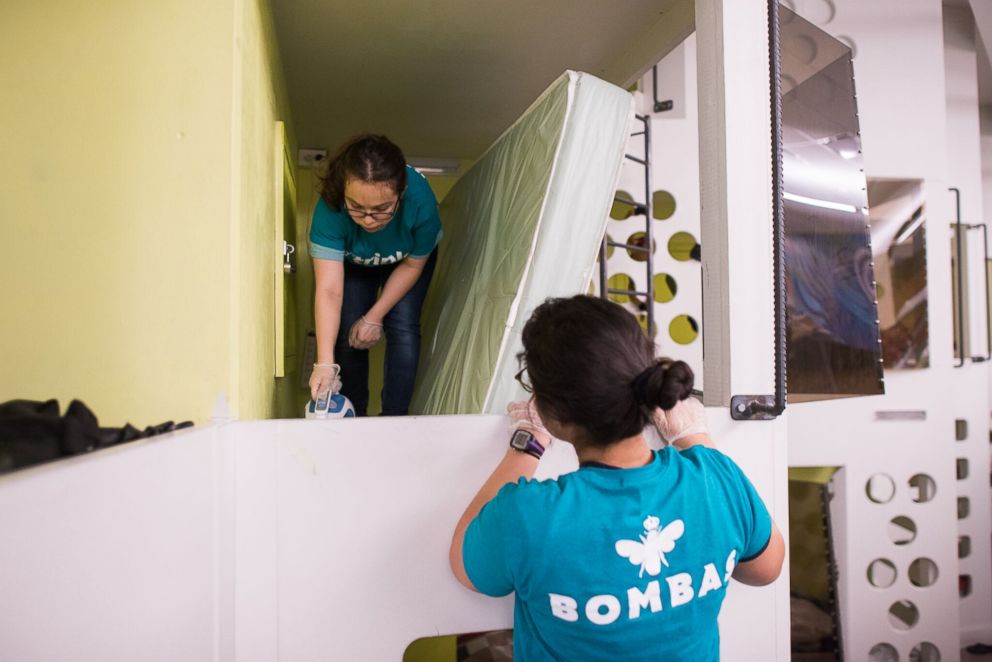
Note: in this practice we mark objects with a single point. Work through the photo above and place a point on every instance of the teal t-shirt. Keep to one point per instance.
(414, 231)
(619, 564)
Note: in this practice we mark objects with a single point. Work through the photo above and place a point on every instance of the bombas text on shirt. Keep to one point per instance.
(680, 588)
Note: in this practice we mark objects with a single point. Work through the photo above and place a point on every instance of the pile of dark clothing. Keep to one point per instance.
(32, 432)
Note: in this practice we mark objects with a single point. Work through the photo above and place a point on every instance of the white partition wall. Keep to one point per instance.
(278, 540)
(915, 124)
(971, 452)
(117, 555)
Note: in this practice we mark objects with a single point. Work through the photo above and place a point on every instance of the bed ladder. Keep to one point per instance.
(640, 208)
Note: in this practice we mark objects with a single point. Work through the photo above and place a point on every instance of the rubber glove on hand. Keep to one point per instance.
(686, 417)
(325, 376)
(524, 416)
(364, 334)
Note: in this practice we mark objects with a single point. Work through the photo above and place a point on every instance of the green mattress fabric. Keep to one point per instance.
(523, 224)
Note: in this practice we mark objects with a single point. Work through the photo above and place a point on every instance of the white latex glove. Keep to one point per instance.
(686, 417)
(324, 377)
(364, 334)
(524, 416)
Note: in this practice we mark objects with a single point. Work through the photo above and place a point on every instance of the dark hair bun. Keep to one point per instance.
(663, 384)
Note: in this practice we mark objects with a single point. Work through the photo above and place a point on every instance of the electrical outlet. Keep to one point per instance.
(311, 158)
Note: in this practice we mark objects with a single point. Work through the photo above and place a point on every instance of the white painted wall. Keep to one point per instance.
(965, 172)
(985, 117)
(118, 555)
(289, 540)
(905, 133)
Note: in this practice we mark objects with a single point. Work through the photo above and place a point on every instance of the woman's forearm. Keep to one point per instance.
(512, 467)
(327, 320)
(401, 281)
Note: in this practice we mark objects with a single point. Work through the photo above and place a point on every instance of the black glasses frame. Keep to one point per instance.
(360, 214)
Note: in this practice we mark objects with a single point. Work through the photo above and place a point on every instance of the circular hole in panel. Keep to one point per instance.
(609, 249)
(883, 653)
(820, 12)
(902, 530)
(964, 507)
(924, 652)
(962, 468)
(964, 586)
(639, 239)
(623, 206)
(881, 573)
(683, 246)
(960, 429)
(879, 291)
(903, 615)
(665, 288)
(922, 572)
(922, 488)
(662, 205)
(964, 547)
(683, 329)
(620, 282)
(880, 488)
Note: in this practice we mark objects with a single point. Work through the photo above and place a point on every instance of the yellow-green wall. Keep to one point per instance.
(129, 248)
(263, 100)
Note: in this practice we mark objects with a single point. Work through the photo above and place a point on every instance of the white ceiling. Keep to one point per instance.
(443, 78)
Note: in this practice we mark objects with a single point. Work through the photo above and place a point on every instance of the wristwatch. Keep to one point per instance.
(525, 442)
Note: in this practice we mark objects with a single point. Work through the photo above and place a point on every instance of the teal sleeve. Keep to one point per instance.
(328, 234)
(484, 549)
(427, 232)
(761, 528)
(756, 512)
(751, 511)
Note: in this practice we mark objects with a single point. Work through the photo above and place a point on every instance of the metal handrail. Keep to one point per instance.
(959, 275)
(988, 328)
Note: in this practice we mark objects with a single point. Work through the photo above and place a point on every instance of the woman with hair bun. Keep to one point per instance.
(629, 557)
(373, 240)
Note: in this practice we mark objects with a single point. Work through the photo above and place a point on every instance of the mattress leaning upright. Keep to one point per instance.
(523, 224)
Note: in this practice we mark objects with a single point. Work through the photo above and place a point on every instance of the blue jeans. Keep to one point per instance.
(402, 329)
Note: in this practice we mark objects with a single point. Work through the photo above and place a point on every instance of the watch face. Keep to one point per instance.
(519, 439)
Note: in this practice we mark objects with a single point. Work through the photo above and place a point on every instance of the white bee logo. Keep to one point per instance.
(655, 542)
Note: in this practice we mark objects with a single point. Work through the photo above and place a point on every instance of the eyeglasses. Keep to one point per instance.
(521, 377)
(360, 214)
